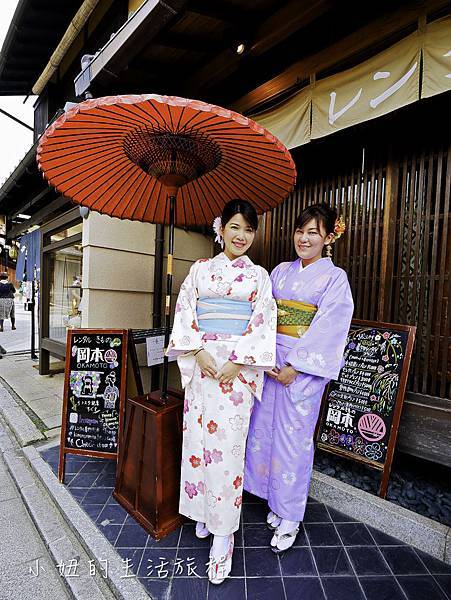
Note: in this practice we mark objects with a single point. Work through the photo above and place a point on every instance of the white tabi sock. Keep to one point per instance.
(220, 546)
(287, 526)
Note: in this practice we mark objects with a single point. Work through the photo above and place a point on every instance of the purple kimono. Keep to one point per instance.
(279, 453)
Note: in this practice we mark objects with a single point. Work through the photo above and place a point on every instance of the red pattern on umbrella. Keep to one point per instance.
(111, 155)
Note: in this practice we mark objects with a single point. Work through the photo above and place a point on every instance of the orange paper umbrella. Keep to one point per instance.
(118, 155)
(125, 156)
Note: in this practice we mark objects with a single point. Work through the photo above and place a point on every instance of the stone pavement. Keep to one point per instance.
(337, 555)
(22, 550)
(20, 339)
(38, 548)
(41, 393)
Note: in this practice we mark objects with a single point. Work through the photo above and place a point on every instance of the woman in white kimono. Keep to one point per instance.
(224, 337)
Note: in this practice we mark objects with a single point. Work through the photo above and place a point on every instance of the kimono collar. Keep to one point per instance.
(319, 261)
(239, 260)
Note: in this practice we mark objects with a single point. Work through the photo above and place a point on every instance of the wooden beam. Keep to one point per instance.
(222, 11)
(38, 217)
(273, 31)
(286, 21)
(24, 207)
(384, 27)
(198, 43)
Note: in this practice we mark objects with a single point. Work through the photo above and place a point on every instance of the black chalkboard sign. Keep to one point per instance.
(94, 393)
(361, 409)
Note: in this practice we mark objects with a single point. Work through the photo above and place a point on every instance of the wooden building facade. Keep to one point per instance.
(389, 178)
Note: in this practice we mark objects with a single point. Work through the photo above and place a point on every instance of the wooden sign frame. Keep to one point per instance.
(123, 389)
(385, 467)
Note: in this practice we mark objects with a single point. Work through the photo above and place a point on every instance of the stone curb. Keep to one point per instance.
(399, 522)
(50, 524)
(18, 421)
(95, 544)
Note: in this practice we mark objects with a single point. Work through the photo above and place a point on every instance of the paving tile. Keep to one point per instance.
(114, 515)
(403, 561)
(382, 539)
(339, 517)
(79, 494)
(332, 561)
(303, 588)
(445, 583)
(421, 587)
(342, 588)
(322, 534)
(83, 480)
(368, 561)
(169, 541)
(231, 589)
(254, 513)
(132, 536)
(92, 467)
(434, 565)
(257, 535)
(105, 480)
(157, 588)
(86, 477)
(298, 561)
(111, 532)
(261, 562)
(157, 563)
(192, 562)
(265, 588)
(189, 587)
(97, 496)
(381, 588)
(131, 558)
(316, 513)
(188, 538)
(354, 534)
(74, 466)
(93, 510)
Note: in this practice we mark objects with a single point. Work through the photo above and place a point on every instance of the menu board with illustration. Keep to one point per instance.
(361, 409)
(94, 393)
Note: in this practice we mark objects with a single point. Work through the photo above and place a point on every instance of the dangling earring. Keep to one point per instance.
(329, 250)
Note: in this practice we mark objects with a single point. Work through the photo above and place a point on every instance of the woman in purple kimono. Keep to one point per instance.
(315, 308)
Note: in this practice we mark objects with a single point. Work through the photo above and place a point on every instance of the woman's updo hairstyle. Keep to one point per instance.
(233, 207)
(321, 213)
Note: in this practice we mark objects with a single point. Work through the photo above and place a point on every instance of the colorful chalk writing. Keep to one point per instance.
(93, 390)
(358, 407)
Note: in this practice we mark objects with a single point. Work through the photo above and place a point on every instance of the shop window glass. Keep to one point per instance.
(65, 277)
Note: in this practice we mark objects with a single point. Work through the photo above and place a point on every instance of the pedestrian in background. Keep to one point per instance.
(7, 291)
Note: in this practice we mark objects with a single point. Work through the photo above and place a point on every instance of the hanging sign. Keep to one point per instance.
(95, 385)
(361, 409)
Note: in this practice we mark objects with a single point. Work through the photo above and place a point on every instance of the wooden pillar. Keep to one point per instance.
(389, 239)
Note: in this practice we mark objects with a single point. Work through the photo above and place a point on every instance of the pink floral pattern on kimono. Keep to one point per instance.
(216, 417)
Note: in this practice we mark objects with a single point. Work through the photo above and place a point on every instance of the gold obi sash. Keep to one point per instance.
(293, 317)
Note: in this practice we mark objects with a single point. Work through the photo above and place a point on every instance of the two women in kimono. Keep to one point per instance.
(315, 308)
(224, 337)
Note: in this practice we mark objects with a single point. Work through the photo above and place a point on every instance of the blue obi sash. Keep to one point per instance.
(223, 315)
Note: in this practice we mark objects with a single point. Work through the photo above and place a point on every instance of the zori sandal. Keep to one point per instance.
(281, 542)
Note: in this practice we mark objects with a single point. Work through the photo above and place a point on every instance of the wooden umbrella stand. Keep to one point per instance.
(150, 452)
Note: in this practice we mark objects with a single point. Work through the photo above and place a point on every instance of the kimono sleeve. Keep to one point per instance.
(320, 350)
(185, 334)
(257, 345)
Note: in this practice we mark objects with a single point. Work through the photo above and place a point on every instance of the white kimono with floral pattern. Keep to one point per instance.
(216, 416)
